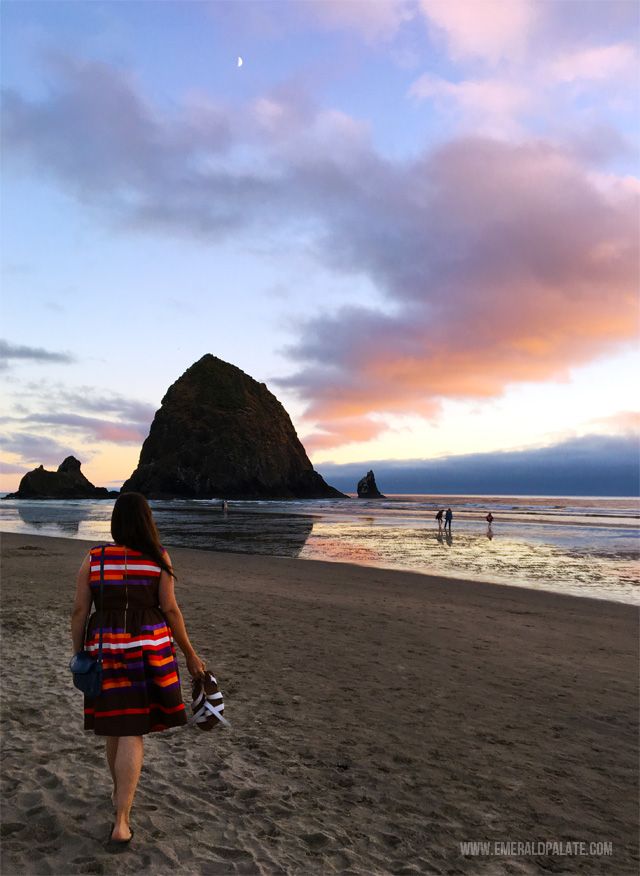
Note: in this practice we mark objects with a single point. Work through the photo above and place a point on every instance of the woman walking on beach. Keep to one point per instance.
(140, 619)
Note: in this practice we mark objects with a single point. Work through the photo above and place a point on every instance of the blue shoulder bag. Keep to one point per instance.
(87, 672)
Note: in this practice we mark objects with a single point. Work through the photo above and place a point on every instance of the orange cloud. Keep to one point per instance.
(343, 430)
(515, 264)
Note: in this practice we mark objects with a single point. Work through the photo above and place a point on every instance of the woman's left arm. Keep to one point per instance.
(82, 605)
(169, 606)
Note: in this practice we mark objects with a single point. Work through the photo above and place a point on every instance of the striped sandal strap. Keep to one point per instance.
(207, 706)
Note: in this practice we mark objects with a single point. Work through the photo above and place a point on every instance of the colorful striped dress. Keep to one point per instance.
(141, 688)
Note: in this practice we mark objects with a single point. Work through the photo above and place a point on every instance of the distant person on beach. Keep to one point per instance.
(448, 517)
(225, 506)
(439, 518)
(140, 620)
(489, 519)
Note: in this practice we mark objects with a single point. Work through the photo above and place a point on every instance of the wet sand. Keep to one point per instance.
(380, 719)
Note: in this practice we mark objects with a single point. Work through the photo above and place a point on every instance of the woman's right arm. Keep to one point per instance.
(81, 606)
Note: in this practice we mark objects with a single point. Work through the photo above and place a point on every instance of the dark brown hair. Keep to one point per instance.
(132, 524)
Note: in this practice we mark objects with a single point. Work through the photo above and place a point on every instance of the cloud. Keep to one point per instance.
(40, 449)
(599, 63)
(8, 468)
(347, 430)
(63, 412)
(554, 89)
(379, 21)
(489, 106)
(624, 422)
(470, 29)
(123, 420)
(505, 263)
(10, 351)
(204, 171)
(489, 29)
(93, 429)
(87, 398)
(593, 465)
(110, 147)
(499, 261)
(522, 65)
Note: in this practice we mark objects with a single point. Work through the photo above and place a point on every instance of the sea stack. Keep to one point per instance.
(368, 489)
(67, 482)
(220, 433)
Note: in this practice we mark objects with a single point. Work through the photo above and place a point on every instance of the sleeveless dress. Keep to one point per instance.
(140, 687)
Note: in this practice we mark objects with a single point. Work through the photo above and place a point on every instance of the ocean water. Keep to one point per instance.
(577, 545)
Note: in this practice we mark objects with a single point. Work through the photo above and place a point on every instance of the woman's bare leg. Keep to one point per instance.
(112, 748)
(128, 763)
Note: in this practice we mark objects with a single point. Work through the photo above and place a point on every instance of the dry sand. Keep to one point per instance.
(380, 718)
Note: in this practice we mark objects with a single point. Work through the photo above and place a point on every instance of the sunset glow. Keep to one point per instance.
(416, 222)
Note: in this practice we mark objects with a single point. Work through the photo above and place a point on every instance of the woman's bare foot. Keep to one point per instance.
(121, 833)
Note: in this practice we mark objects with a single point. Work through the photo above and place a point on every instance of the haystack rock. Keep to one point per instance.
(66, 483)
(367, 488)
(220, 433)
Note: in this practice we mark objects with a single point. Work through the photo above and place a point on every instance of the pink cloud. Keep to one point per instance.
(93, 428)
(489, 106)
(117, 434)
(599, 63)
(487, 29)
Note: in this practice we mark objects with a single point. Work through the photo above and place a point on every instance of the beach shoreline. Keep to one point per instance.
(532, 543)
(380, 719)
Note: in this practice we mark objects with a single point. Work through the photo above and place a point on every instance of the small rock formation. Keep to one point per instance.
(368, 489)
(66, 483)
(219, 433)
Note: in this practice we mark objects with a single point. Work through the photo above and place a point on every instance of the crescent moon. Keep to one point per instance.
(239, 62)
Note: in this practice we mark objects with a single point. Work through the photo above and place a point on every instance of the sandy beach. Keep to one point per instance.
(380, 720)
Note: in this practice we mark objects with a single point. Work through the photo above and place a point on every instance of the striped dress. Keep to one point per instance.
(141, 688)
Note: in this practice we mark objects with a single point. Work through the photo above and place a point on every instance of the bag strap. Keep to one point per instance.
(101, 591)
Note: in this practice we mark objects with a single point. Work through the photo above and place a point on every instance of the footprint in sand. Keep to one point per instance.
(231, 854)
(9, 827)
(88, 865)
(315, 841)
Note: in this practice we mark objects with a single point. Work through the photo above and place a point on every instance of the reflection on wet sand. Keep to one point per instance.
(476, 555)
(207, 527)
(43, 517)
(237, 531)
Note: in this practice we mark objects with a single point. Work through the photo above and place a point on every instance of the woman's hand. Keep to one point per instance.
(195, 665)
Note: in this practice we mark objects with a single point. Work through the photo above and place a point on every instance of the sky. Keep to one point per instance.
(416, 221)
